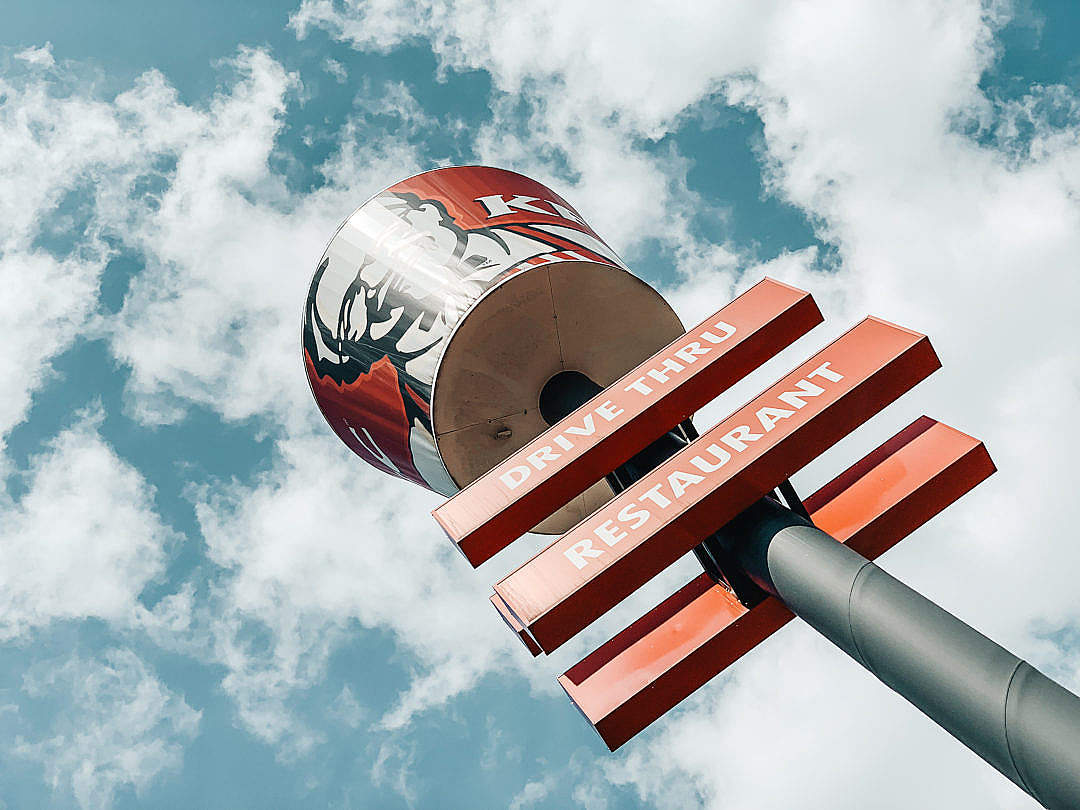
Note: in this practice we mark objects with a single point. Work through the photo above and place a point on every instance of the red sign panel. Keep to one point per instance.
(662, 516)
(697, 632)
(531, 484)
(514, 625)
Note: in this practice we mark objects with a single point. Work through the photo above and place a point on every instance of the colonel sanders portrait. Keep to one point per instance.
(394, 281)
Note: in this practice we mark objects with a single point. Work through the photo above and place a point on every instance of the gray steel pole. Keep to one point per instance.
(1003, 709)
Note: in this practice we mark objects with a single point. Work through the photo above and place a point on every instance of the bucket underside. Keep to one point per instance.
(565, 316)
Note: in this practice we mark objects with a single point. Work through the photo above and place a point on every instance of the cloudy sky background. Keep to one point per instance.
(207, 601)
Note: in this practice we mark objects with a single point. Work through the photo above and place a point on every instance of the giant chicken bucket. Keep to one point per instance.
(443, 305)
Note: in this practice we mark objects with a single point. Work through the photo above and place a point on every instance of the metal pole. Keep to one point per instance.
(1003, 709)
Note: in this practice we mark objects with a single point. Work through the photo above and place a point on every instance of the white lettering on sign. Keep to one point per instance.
(634, 515)
(515, 476)
(737, 438)
(679, 481)
(499, 205)
(663, 372)
(706, 466)
(538, 458)
(608, 411)
(727, 329)
(579, 551)
(691, 351)
(824, 371)
(588, 430)
(639, 386)
(608, 532)
(711, 459)
(688, 354)
(797, 399)
(653, 494)
(770, 416)
(669, 367)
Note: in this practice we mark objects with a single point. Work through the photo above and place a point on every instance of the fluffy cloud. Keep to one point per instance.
(975, 245)
(229, 251)
(321, 542)
(83, 541)
(41, 57)
(204, 319)
(533, 792)
(521, 46)
(119, 726)
(212, 320)
(579, 118)
(190, 190)
(321, 545)
(49, 265)
(971, 241)
(46, 302)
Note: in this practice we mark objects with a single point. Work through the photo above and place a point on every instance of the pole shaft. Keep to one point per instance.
(1003, 709)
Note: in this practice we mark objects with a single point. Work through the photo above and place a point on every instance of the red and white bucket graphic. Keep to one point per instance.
(442, 306)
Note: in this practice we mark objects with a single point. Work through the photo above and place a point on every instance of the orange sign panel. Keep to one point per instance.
(561, 463)
(697, 632)
(666, 513)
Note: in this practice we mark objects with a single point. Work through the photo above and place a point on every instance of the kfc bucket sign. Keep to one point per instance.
(442, 305)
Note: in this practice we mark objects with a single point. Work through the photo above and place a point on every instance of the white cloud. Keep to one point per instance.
(533, 792)
(971, 244)
(797, 724)
(120, 726)
(83, 541)
(45, 303)
(49, 152)
(335, 69)
(394, 767)
(228, 252)
(213, 318)
(203, 320)
(578, 118)
(976, 247)
(320, 542)
(347, 709)
(519, 45)
(41, 57)
(321, 545)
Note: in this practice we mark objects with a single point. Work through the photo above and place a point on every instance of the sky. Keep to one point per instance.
(207, 601)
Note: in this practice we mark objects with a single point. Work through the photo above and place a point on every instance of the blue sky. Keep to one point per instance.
(206, 601)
